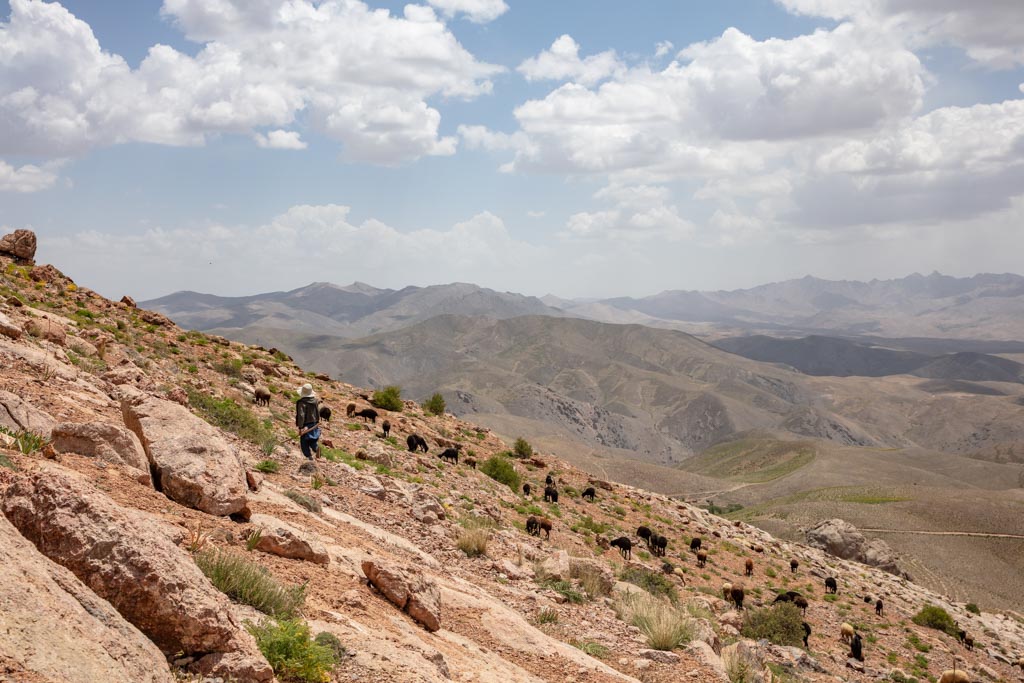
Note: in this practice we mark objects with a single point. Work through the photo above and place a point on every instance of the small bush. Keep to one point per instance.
(593, 649)
(566, 589)
(6, 462)
(435, 405)
(250, 584)
(935, 617)
(227, 414)
(781, 624)
(664, 626)
(473, 541)
(501, 469)
(972, 608)
(291, 652)
(522, 448)
(26, 442)
(547, 616)
(230, 368)
(268, 466)
(305, 501)
(388, 398)
(651, 581)
(331, 641)
(593, 582)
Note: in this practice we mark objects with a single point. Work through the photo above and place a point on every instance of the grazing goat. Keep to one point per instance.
(526, 489)
(549, 480)
(668, 568)
(793, 564)
(954, 676)
(450, 454)
(658, 545)
(801, 603)
(748, 567)
(967, 639)
(325, 413)
(545, 526)
(625, 547)
(878, 607)
(471, 462)
(349, 409)
(261, 397)
(788, 596)
(702, 558)
(727, 591)
(386, 428)
(367, 414)
(807, 633)
(416, 442)
(590, 493)
(532, 526)
(857, 648)
(550, 494)
(831, 585)
(644, 533)
(737, 596)
(695, 545)
(846, 632)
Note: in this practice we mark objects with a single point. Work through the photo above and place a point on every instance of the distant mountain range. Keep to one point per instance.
(983, 307)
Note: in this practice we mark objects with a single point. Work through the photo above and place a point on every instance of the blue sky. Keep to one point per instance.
(580, 147)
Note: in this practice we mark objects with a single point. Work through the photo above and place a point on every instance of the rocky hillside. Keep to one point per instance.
(156, 525)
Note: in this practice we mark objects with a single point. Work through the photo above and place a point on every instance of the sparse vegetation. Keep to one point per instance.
(565, 588)
(972, 608)
(388, 398)
(501, 469)
(547, 616)
(592, 581)
(593, 649)
(937, 618)
(250, 584)
(25, 442)
(435, 405)
(664, 626)
(305, 501)
(522, 448)
(331, 641)
(651, 581)
(291, 652)
(267, 466)
(227, 414)
(473, 539)
(781, 624)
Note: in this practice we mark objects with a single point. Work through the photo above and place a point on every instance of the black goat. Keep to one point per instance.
(857, 648)
(450, 454)
(878, 607)
(549, 480)
(625, 547)
(807, 633)
(644, 533)
(367, 414)
(416, 442)
(695, 545)
(526, 489)
(386, 427)
(831, 585)
(658, 545)
(550, 494)
(325, 413)
(590, 493)
(793, 564)
(532, 526)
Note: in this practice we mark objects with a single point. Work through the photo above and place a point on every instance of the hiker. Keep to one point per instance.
(307, 419)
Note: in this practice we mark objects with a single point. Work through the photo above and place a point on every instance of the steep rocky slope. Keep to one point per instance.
(153, 462)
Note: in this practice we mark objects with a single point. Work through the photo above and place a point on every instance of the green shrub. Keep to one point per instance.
(972, 608)
(6, 462)
(227, 414)
(291, 652)
(388, 398)
(26, 442)
(566, 589)
(547, 616)
(230, 368)
(267, 466)
(501, 469)
(593, 649)
(250, 584)
(781, 624)
(588, 524)
(522, 448)
(935, 617)
(651, 581)
(305, 501)
(435, 405)
(331, 641)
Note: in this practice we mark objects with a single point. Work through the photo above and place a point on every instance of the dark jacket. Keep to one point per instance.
(307, 412)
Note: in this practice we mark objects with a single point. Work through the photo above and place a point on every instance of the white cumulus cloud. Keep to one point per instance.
(280, 139)
(364, 76)
(27, 178)
(477, 11)
(562, 62)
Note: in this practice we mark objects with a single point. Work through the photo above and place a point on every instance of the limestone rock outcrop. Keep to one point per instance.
(53, 627)
(152, 582)
(840, 538)
(109, 442)
(21, 244)
(191, 462)
(411, 592)
(282, 539)
(18, 415)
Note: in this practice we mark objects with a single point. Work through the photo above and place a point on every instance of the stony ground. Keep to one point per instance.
(80, 354)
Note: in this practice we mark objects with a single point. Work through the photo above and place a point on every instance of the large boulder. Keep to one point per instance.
(282, 539)
(50, 330)
(190, 461)
(18, 415)
(840, 538)
(110, 442)
(52, 626)
(8, 328)
(408, 591)
(129, 561)
(20, 244)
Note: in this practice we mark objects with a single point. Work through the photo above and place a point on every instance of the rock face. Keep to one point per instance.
(112, 443)
(8, 328)
(415, 594)
(53, 626)
(21, 244)
(19, 415)
(282, 539)
(49, 330)
(840, 538)
(189, 460)
(152, 582)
